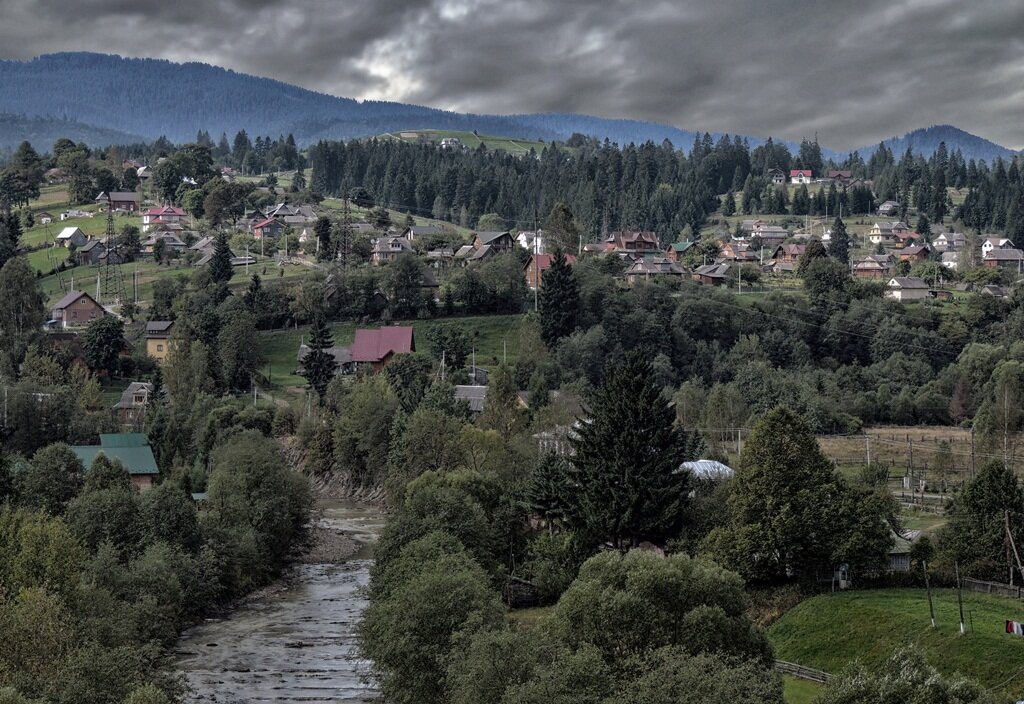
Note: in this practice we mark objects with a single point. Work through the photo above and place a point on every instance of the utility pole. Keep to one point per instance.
(928, 587)
(972, 450)
(959, 597)
(867, 438)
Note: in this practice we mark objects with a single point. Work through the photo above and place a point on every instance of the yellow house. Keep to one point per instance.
(158, 338)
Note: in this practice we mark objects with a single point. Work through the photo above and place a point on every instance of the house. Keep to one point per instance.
(473, 395)
(786, 257)
(76, 308)
(800, 175)
(595, 248)
(885, 232)
(145, 173)
(463, 253)
(769, 235)
(158, 338)
(203, 245)
(388, 249)
(481, 253)
(657, 267)
(739, 252)
(120, 200)
(712, 274)
(414, 231)
(675, 251)
(905, 239)
(906, 289)
(776, 176)
(131, 407)
(914, 253)
(44, 218)
(538, 264)
(994, 291)
(632, 242)
(951, 260)
(267, 228)
(899, 553)
(873, 266)
(451, 143)
(531, 240)
(1004, 259)
(71, 236)
(92, 251)
(948, 241)
(163, 215)
(73, 213)
(888, 208)
(173, 244)
(378, 347)
(840, 176)
(130, 449)
(992, 243)
(497, 241)
(342, 359)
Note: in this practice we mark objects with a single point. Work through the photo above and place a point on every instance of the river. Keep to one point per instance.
(296, 641)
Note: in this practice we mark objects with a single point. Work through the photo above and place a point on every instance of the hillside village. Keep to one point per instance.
(751, 336)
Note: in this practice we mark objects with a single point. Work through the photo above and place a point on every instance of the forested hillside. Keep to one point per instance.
(15, 129)
(154, 98)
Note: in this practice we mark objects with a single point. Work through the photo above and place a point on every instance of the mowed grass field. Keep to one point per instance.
(494, 337)
(831, 631)
(797, 691)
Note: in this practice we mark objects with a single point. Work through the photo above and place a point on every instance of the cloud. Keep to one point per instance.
(853, 73)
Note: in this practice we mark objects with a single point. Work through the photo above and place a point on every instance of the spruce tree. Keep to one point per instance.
(220, 263)
(558, 301)
(626, 466)
(319, 365)
(324, 245)
(839, 245)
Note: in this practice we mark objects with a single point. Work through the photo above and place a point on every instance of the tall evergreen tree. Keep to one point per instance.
(628, 452)
(319, 365)
(324, 244)
(558, 301)
(839, 244)
(220, 263)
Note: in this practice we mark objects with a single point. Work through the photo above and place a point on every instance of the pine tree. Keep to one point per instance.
(729, 204)
(220, 263)
(324, 246)
(558, 301)
(547, 492)
(628, 451)
(839, 244)
(319, 365)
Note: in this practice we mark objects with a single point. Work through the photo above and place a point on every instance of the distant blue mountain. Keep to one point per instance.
(148, 98)
(926, 140)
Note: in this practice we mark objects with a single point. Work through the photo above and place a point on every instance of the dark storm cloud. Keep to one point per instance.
(853, 72)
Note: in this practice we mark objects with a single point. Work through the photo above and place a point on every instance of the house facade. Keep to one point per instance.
(632, 242)
(498, 241)
(798, 176)
(131, 449)
(158, 339)
(71, 236)
(378, 347)
(120, 200)
(1012, 259)
(388, 249)
(906, 289)
(75, 309)
(131, 407)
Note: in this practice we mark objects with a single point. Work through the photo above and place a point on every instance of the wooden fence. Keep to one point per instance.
(997, 588)
(801, 672)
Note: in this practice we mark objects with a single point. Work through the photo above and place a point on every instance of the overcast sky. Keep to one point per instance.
(854, 72)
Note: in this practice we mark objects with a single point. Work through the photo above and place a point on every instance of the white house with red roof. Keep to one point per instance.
(800, 175)
(164, 215)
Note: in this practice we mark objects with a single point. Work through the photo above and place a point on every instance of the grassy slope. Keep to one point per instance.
(797, 691)
(280, 347)
(830, 631)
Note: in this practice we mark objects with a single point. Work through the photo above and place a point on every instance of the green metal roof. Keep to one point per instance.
(138, 460)
(123, 440)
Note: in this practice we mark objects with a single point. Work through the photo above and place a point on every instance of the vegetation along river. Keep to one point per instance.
(295, 641)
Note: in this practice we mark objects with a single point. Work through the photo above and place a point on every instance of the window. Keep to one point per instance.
(159, 348)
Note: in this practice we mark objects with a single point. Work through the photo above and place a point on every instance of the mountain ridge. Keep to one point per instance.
(130, 96)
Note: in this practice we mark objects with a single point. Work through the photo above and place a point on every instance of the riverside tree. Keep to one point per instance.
(319, 365)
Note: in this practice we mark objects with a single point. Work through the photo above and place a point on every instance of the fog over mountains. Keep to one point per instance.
(100, 99)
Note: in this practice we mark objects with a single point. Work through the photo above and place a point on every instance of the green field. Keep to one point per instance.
(494, 336)
(830, 631)
(472, 141)
(797, 691)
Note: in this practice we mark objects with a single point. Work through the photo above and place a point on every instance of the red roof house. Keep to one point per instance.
(800, 175)
(378, 347)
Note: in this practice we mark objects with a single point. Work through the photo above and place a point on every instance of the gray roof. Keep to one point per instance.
(342, 355)
(128, 395)
(490, 236)
(907, 282)
(474, 395)
(708, 469)
(158, 327)
(1005, 255)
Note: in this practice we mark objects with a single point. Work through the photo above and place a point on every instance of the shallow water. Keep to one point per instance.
(295, 645)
